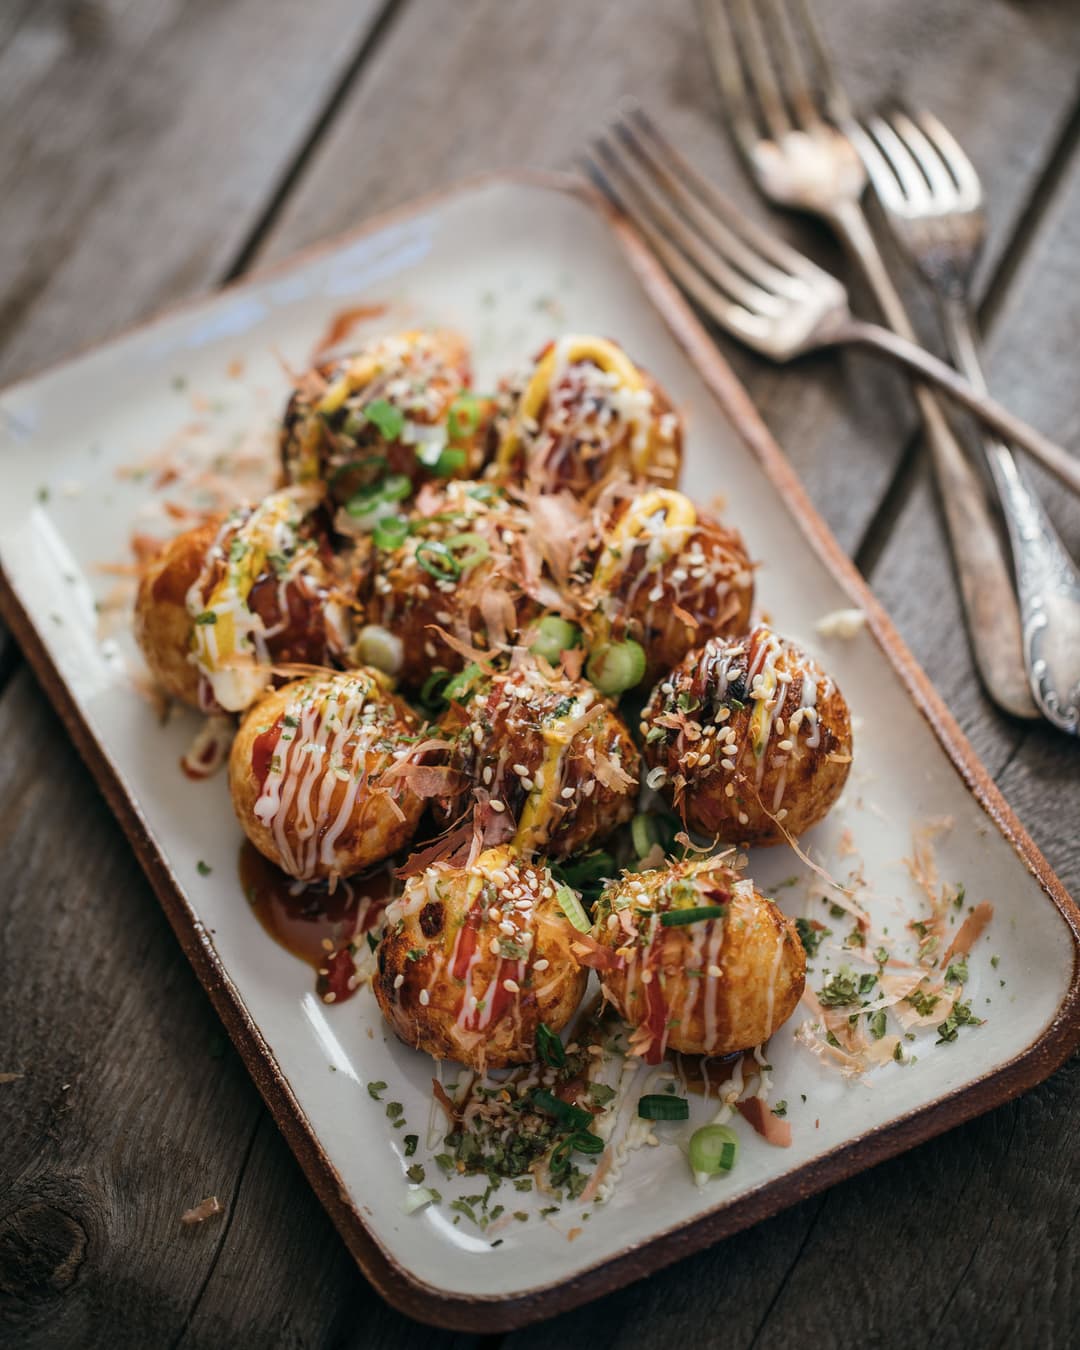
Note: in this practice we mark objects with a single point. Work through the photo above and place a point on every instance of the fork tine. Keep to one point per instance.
(724, 59)
(744, 22)
(836, 99)
(901, 161)
(886, 184)
(793, 71)
(713, 258)
(956, 161)
(756, 237)
(733, 317)
(926, 155)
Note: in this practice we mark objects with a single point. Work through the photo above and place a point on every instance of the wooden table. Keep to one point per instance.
(153, 150)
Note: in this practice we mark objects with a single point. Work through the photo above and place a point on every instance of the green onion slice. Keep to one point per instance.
(572, 907)
(476, 546)
(574, 1117)
(390, 532)
(389, 420)
(615, 667)
(662, 1106)
(461, 686)
(433, 690)
(550, 1047)
(645, 834)
(554, 635)
(396, 487)
(437, 560)
(675, 918)
(584, 1141)
(713, 1149)
(449, 462)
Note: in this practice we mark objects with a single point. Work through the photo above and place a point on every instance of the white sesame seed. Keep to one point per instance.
(715, 972)
(497, 805)
(511, 986)
(542, 964)
(399, 980)
(425, 997)
(488, 775)
(567, 793)
(744, 819)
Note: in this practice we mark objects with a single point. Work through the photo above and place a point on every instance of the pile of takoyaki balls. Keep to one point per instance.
(431, 632)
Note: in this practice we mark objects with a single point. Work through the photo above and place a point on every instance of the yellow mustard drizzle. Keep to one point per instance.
(679, 514)
(603, 354)
(536, 814)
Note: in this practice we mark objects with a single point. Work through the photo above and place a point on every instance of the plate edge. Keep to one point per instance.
(493, 1313)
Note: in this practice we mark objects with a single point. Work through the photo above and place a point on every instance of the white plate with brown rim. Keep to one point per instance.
(511, 261)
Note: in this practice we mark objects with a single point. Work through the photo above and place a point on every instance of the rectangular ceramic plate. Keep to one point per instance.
(510, 262)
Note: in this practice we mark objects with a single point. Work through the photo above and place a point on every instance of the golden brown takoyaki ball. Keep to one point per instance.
(666, 576)
(319, 775)
(228, 602)
(399, 405)
(583, 416)
(462, 570)
(475, 958)
(549, 763)
(721, 982)
(163, 624)
(749, 738)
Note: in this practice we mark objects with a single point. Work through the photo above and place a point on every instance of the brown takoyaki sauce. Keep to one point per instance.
(317, 926)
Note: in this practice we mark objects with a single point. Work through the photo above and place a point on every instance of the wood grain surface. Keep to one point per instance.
(151, 150)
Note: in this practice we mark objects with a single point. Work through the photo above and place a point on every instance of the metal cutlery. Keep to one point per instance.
(790, 124)
(933, 201)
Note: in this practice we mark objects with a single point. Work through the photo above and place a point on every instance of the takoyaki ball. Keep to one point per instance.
(749, 738)
(163, 624)
(665, 576)
(585, 415)
(231, 601)
(695, 959)
(400, 406)
(550, 766)
(475, 958)
(319, 775)
(460, 570)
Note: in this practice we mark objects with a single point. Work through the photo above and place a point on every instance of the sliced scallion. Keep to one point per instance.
(675, 918)
(437, 560)
(390, 532)
(549, 1047)
(396, 487)
(615, 667)
(476, 547)
(574, 1117)
(572, 907)
(644, 833)
(449, 461)
(554, 635)
(713, 1149)
(461, 686)
(662, 1106)
(389, 420)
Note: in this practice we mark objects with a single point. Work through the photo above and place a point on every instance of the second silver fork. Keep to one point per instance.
(794, 142)
(933, 201)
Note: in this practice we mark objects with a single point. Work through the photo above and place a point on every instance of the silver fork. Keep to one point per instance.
(933, 201)
(790, 120)
(763, 291)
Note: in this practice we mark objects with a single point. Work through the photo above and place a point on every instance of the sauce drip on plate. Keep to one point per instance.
(315, 925)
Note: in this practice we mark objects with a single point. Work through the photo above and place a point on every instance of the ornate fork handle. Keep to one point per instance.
(1047, 581)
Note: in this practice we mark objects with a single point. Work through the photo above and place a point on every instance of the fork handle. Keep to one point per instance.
(1047, 581)
(981, 405)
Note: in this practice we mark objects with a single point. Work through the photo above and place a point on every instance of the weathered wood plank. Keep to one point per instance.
(974, 1229)
(506, 83)
(140, 144)
(513, 82)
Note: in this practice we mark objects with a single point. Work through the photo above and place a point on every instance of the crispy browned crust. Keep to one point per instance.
(499, 734)
(415, 955)
(784, 792)
(162, 622)
(369, 453)
(374, 830)
(760, 959)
